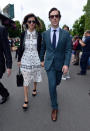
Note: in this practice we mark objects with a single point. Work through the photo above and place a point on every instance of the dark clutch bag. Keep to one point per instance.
(19, 79)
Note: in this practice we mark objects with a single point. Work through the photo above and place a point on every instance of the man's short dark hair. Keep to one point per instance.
(65, 26)
(87, 31)
(53, 9)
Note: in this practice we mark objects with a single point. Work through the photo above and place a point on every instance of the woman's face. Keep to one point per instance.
(31, 23)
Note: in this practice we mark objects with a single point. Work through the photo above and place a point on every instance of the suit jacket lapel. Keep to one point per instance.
(49, 38)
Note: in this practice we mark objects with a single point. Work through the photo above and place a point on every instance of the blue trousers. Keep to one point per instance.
(83, 62)
(54, 79)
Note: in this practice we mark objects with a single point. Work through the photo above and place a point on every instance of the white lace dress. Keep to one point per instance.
(30, 62)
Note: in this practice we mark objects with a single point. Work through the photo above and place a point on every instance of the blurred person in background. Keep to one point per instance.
(77, 49)
(5, 62)
(17, 44)
(85, 53)
(67, 75)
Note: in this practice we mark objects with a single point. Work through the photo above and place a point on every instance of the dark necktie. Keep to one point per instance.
(54, 39)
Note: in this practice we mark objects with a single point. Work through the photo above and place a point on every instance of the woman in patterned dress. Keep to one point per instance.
(28, 55)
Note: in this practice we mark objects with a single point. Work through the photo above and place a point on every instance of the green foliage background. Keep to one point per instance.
(87, 17)
(83, 23)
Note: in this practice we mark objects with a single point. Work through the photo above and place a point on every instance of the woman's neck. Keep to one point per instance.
(31, 30)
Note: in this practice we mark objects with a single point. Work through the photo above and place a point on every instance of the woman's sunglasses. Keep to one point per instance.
(31, 21)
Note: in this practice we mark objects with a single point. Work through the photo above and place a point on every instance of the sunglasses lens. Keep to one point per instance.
(52, 16)
(33, 22)
(57, 16)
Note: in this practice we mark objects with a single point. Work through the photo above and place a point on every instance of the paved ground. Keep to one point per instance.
(73, 99)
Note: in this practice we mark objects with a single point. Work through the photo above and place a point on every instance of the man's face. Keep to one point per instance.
(87, 34)
(54, 18)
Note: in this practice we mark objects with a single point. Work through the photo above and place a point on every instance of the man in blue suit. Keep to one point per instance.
(56, 46)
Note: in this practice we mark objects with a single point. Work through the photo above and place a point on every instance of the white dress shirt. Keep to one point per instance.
(57, 34)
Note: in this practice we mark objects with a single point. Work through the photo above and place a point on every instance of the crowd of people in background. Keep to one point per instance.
(81, 52)
(14, 44)
(34, 50)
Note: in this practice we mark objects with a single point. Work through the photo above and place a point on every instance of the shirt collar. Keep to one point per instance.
(57, 29)
(33, 32)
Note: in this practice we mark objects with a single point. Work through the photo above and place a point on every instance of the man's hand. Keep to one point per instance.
(82, 43)
(65, 69)
(8, 71)
(19, 63)
(42, 63)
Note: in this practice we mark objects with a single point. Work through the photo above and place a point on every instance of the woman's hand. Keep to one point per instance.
(42, 63)
(8, 71)
(19, 63)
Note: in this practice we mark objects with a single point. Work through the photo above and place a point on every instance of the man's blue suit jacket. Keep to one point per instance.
(60, 55)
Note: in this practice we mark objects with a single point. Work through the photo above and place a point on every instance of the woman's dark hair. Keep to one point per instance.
(76, 37)
(53, 9)
(29, 16)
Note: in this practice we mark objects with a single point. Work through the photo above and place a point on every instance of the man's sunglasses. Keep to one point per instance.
(52, 16)
(31, 21)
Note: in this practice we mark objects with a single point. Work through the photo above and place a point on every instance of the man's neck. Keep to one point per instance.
(55, 27)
